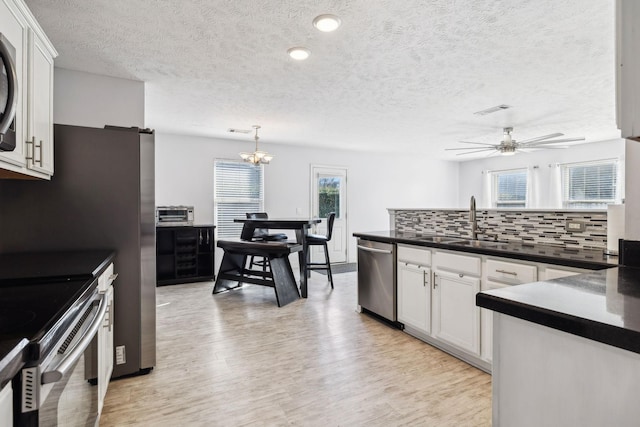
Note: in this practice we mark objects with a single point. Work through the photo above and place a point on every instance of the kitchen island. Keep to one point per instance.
(567, 351)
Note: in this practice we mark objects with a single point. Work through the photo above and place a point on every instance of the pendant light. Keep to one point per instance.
(257, 157)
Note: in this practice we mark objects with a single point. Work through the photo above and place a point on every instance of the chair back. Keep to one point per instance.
(331, 216)
(259, 232)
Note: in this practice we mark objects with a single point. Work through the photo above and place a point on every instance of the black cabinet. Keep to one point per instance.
(184, 254)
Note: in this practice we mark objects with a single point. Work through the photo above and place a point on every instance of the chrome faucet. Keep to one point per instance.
(473, 219)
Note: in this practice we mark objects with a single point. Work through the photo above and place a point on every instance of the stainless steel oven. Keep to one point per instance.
(8, 95)
(51, 390)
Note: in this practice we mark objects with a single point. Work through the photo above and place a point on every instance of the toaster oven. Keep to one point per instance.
(171, 216)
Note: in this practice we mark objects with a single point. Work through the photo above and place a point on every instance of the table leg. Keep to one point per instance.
(302, 257)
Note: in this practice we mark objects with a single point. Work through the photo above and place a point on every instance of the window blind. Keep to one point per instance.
(509, 188)
(238, 189)
(590, 185)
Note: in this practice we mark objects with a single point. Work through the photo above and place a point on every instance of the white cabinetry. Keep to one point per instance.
(33, 155)
(39, 139)
(14, 27)
(628, 68)
(105, 336)
(6, 405)
(414, 287)
(456, 319)
(551, 273)
(500, 273)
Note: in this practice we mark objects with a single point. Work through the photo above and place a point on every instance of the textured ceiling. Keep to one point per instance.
(397, 75)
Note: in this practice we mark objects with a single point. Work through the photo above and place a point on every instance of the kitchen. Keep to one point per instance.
(122, 103)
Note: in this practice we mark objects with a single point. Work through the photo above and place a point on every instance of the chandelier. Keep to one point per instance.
(257, 157)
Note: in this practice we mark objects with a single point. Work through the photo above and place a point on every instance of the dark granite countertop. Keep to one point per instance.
(603, 306)
(591, 259)
(34, 270)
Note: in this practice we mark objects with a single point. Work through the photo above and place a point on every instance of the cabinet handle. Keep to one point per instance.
(113, 277)
(200, 237)
(207, 242)
(32, 157)
(512, 273)
(435, 280)
(41, 153)
(424, 278)
(460, 275)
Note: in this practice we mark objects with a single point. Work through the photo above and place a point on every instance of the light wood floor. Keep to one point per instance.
(236, 359)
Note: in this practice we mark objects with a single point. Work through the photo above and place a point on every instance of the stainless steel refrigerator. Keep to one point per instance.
(102, 195)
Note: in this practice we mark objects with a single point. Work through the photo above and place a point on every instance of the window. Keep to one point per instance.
(509, 188)
(238, 189)
(590, 185)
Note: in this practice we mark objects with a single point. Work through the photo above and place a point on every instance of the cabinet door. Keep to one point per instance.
(40, 110)
(486, 325)
(414, 296)
(456, 317)
(6, 405)
(15, 28)
(556, 273)
(105, 349)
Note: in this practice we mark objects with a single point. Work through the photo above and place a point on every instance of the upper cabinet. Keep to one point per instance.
(33, 155)
(628, 68)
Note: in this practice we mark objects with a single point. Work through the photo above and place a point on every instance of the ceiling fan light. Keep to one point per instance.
(299, 53)
(245, 156)
(267, 158)
(327, 23)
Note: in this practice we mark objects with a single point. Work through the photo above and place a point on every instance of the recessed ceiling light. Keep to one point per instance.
(327, 23)
(299, 53)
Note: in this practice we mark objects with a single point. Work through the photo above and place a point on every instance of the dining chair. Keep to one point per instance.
(260, 234)
(320, 240)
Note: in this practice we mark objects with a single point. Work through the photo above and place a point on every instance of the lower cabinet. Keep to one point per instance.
(184, 254)
(6, 405)
(414, 287)
(456, 319)
(105, 361)
(414, 296)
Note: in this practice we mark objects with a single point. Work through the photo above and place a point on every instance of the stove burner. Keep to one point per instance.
(12, 320)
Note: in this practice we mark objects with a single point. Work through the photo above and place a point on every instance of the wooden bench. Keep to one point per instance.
(233, 272)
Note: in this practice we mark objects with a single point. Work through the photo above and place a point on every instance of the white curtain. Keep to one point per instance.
(533, 187)
(555, 186)
(487, 203)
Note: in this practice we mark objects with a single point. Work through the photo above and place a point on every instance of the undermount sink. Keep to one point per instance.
(441, 239)
(478, 243)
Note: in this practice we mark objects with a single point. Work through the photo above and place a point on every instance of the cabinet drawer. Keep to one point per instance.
(458, 263)
(414, 255)
(511, 272)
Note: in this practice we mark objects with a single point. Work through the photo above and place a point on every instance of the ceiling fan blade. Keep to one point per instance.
(467, 148)
(557, 141)
(475, 151)
(540, 138)
(478, 143)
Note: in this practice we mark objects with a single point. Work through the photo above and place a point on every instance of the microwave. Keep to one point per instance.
(171, 216)
(8, 95)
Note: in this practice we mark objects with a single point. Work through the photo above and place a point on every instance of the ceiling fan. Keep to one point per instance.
(509, 146)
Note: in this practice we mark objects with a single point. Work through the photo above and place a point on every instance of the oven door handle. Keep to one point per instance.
(69, 361)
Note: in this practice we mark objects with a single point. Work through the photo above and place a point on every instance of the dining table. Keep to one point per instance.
(301, 227)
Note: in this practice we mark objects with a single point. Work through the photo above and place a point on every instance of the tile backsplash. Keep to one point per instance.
(548, 227)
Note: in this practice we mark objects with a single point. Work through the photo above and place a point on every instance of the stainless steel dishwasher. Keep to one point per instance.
(377, 278)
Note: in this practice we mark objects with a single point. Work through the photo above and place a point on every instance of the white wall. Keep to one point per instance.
(376, 181)
(85, 99)
(471, 176)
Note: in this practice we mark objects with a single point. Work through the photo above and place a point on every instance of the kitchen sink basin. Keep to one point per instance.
(441, 239)
(478, 243)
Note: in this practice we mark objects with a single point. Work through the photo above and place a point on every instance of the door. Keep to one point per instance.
(414, 296)
(329, 194)
(457, 319)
